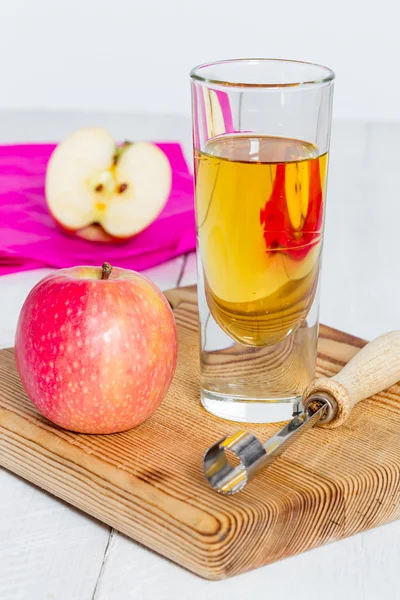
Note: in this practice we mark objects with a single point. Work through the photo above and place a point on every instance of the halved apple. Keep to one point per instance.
(90, 181)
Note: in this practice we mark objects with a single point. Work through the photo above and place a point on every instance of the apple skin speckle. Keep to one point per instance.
(119, 376)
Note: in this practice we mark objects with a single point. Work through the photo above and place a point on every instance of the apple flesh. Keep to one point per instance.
(96, 348)
(90, 180)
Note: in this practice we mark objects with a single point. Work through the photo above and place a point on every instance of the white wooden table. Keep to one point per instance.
(50, 551)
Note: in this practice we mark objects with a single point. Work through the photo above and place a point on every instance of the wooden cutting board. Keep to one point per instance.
(148, 482)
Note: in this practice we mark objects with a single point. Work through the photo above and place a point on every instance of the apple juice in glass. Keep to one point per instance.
(261, 135)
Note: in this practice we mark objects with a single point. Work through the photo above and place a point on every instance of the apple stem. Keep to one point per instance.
(106, 270)
(120, 150)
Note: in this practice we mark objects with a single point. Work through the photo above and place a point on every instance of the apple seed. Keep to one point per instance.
(122, 187)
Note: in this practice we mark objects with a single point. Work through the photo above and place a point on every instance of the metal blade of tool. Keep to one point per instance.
(227, 478)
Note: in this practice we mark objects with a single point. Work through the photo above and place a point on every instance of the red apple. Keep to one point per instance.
(96, 348)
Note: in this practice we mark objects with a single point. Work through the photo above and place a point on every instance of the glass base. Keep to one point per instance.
(248, 410)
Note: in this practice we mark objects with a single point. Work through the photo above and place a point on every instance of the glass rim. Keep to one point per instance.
(196, 76)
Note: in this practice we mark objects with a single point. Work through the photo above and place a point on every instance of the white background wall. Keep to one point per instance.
(136, 54)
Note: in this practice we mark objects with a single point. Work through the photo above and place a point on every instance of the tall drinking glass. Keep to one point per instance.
(261, 132)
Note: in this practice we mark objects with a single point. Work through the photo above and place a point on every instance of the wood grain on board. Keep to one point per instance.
(148, 482)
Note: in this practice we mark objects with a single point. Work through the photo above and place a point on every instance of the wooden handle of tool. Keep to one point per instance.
(373, 369)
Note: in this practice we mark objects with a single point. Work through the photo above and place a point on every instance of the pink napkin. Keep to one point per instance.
(30, 238)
